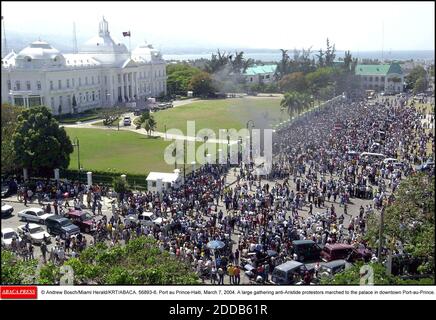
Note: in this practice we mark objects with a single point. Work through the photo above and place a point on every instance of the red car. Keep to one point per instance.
(342, 251)
(337, 251)
(82, 219)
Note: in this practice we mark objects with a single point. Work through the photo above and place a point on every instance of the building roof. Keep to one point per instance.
(38, 50)
(166, 177)
(146, 53)
(255, 70)
(103, 43)
(80, 60)
(378, 69)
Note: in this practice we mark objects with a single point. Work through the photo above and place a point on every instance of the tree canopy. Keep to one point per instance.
(140, 261)
(410, 220)
(201, 84)
(413, 76)
(39, 143)
(179, 77)
(9, 115)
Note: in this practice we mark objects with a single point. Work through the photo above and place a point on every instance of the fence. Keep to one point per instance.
(136, 182)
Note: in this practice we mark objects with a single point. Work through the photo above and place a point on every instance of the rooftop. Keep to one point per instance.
(378, 69)
(255, 70)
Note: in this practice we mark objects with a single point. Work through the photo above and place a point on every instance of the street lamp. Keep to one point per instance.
(228, 148)
(239, 150)
(77, 144)
(205, 138)
(251, 139)
(184, 160)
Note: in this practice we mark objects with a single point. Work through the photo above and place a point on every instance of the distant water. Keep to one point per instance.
(276, 55)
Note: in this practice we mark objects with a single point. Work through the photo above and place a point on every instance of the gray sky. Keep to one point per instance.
(350, 25)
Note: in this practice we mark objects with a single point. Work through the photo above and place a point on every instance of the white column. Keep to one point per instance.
(122, 87)
(208, 158)
(193, 166)
(220, 157)
(25, 174)
(129, 84)
(89, 178)
(123, 176)
(56, 174)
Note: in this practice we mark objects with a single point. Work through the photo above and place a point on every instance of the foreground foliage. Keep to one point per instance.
(410, 220)
(138, 262)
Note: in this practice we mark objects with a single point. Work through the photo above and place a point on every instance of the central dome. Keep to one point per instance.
(103, 43)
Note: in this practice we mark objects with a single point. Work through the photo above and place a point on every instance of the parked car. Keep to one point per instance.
(329, 269)
(306, 250)
(34, 215)
(34, 232)
(127, 121)
(341, 251)
(9, 189)
(7, 210)
(336, 251)
(7, 235)
(145, 218)
(149, 218)
(59, 225)
(289, 272)
(82, 219)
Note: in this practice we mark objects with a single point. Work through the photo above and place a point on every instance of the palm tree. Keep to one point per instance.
(305, 101)
(291, 102)
(150, 125)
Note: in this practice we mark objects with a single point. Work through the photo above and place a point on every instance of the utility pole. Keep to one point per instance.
(75, 50)
(380, 235)
(5, 50)
(383, 39)
(184, 160)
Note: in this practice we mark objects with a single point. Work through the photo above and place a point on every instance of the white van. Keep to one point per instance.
(127, 121)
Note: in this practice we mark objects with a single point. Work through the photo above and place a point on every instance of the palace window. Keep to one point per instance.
(17, 85)
(28, 85)
(38, 85)
(68, 83)
(9, 85)
(51, 85)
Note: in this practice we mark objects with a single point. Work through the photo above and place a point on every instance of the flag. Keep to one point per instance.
(126, 34)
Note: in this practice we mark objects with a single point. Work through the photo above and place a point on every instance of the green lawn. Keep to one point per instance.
(122, 151)
(222, 114)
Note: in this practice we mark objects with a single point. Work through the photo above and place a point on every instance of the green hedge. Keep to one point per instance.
(84, 116)
(137, 181)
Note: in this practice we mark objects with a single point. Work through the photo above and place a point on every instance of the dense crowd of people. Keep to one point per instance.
(318, 171)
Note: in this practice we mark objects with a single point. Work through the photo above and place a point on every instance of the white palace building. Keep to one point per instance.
(103, 74)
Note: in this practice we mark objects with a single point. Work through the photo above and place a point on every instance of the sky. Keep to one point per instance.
(355, 26)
